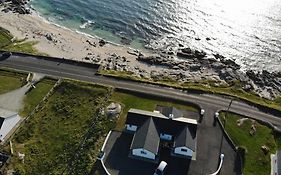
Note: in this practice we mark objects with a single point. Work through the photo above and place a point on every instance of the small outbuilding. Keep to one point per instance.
(8, 121)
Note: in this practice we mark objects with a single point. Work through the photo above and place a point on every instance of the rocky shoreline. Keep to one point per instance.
(180, 64)
(16, 6)
(196, 66)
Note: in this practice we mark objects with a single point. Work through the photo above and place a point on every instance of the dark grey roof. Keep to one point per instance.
(163, 124)
(136, 119)
(1, 121)
(167, 111)
(279, 162)
(147, 137)
(187, 137)
(167, 126)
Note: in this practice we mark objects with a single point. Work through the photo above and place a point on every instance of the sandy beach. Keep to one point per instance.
(60, 42)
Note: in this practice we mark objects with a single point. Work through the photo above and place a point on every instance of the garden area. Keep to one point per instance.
(258, 141)
(65, 136)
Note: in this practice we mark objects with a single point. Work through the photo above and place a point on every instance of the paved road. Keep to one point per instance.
(79, 72)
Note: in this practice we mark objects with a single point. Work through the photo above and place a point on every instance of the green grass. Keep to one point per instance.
(23, 46)
(133, 101)
(10, 80)
(34, 96)
(235, 89)
(256, 162)
(50, 138)
(5, 37)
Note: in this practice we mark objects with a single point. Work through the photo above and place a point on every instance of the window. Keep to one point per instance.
(143, 152)
(184, 150)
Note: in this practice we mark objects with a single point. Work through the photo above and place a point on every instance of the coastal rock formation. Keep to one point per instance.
(125, 40)
(189, 53)
(102, 43)
(218, 69)
(17, 6)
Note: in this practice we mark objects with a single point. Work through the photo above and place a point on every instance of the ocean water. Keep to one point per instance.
(247, 31)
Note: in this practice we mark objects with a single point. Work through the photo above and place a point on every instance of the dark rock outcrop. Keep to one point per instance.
(126, 40)
(17, 6)
(102, 43)
(189, 53)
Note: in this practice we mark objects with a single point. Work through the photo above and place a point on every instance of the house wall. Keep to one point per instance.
(180, 150)
(131, 127)
(8, 125)
(166, 136)
(275, 163)
(143, 153)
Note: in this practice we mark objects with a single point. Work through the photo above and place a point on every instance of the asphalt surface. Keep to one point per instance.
(84, 73)
(211, 142)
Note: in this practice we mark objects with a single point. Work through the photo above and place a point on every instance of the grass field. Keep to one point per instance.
(7, 43)
(145, 103)
(256, 162)
(10, 80)
(51, 137)
(34, 96)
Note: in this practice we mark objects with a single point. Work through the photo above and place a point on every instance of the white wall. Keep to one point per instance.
(131, 127)
(143, 153)
(166, 136)
(8, 125)
(274, 164)
(179, 150)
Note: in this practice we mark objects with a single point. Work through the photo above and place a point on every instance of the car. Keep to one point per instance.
(202, 112)
(160, 170)
(7, 54)
(217, 115)
(101, 155)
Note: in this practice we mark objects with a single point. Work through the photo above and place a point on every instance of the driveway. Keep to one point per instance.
(13, 100)
(211, 142)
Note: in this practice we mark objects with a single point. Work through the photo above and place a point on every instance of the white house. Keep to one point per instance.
(146, 141)
(184, 144)
(149, 128)
(8, 121)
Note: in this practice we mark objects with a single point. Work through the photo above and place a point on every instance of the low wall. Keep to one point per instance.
(232, 144)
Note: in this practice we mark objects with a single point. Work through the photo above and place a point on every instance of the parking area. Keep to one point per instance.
(118, 162)
(210, 144)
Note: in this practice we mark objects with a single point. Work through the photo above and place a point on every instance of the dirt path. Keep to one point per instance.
(13, 100)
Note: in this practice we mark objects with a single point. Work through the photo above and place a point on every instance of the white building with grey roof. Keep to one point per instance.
(151, 128)
(8, 122)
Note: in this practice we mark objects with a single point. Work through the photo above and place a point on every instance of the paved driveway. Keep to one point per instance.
(210, 144)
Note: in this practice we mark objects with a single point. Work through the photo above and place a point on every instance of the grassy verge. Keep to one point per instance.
(133, 101)
(10, 80)
(34, 96)
(234, 90)
(256, 161)
(7, 43)
(51, 137)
